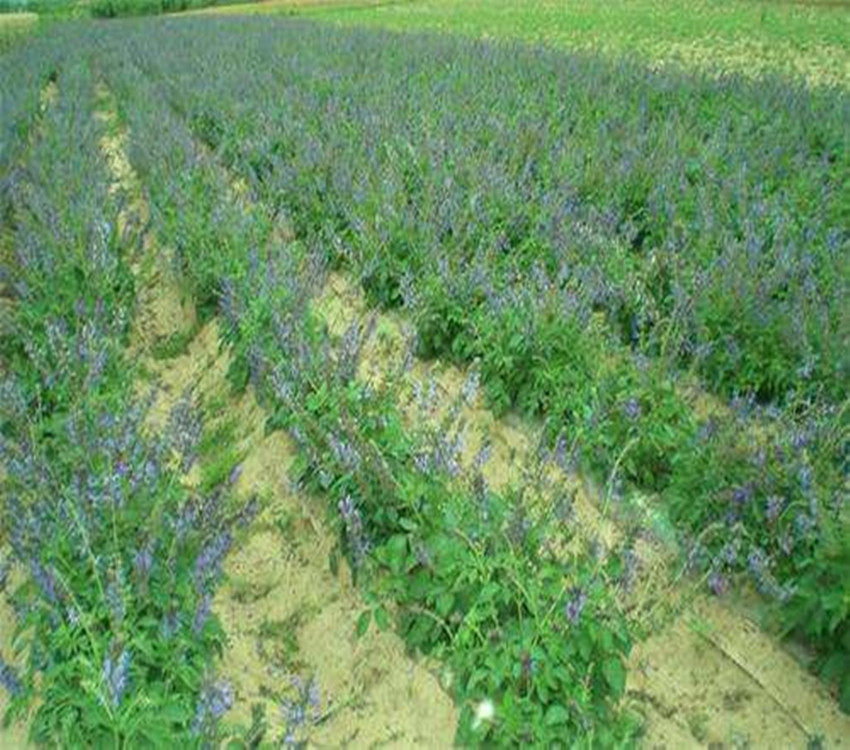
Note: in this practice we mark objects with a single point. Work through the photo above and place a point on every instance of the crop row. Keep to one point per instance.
(591, 235)
(112, 561)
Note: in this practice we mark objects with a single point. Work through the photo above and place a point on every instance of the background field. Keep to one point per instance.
(801, 39)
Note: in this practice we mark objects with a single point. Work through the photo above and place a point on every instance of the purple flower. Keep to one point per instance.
(717, 583)
(742, 495)
(301, 711)
(707, 430)
(143, 562)
(631, 564)
(729, 552)
(215, 700)
(445, 454)
(773, 507)
(208, 562)
(470, 387)
(632, 410)
(345, 453)
(804, 476)
(351, 348)
(354, 531)
(565, 459)
(482, 456)
(9, 678)
(170, 624)
(234, 475)
(202, 614)
(45, 582)
(184, 431)
(115, 600)
(575, 605)
(116, 675)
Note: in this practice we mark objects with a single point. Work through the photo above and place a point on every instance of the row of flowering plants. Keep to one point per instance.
(654, 263)
(535, 641)
(109, 561)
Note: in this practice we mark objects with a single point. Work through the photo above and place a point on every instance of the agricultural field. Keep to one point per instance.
(426, 373)
(808, 40)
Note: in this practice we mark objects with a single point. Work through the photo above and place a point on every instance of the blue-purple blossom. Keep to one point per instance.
(742, 495)
(354, 530)
(470, 386)
(773, 507)
(717, 583)
(215, 700)
(301, 711)
(575, 605)
(202, 613)
(345, 453)
(116, 675)
(115, 600)
(170, 624)
(143, 562)
(45, 581)
(9, 678)
(208, 563)
(184, 431)
(632, 409)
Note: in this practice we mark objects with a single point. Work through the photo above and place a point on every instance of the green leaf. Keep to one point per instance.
(363, 623)
(615, 675)
(408, 524)
(397, 552)
(445, 602)
(382, 618)
(556, 715)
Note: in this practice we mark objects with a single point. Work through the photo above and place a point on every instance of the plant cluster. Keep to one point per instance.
(467, 574)
(114, 562)
(655, 263)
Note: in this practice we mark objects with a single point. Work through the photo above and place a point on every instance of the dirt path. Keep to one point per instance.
(13, 737)
(286, 614)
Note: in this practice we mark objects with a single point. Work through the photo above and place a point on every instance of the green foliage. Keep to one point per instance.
(175, 345)
(114, 605)
(820, 608)
(471, 585)
(539, 229)
(113, 627)
(118, 8)
(740, 36)
(531, 227)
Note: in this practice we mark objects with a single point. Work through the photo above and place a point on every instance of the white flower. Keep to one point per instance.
(484, 712)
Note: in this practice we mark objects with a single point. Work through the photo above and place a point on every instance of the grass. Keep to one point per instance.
(14, 28)
(293, 7)
(175, 345)
(218, 454)
(808, 40)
